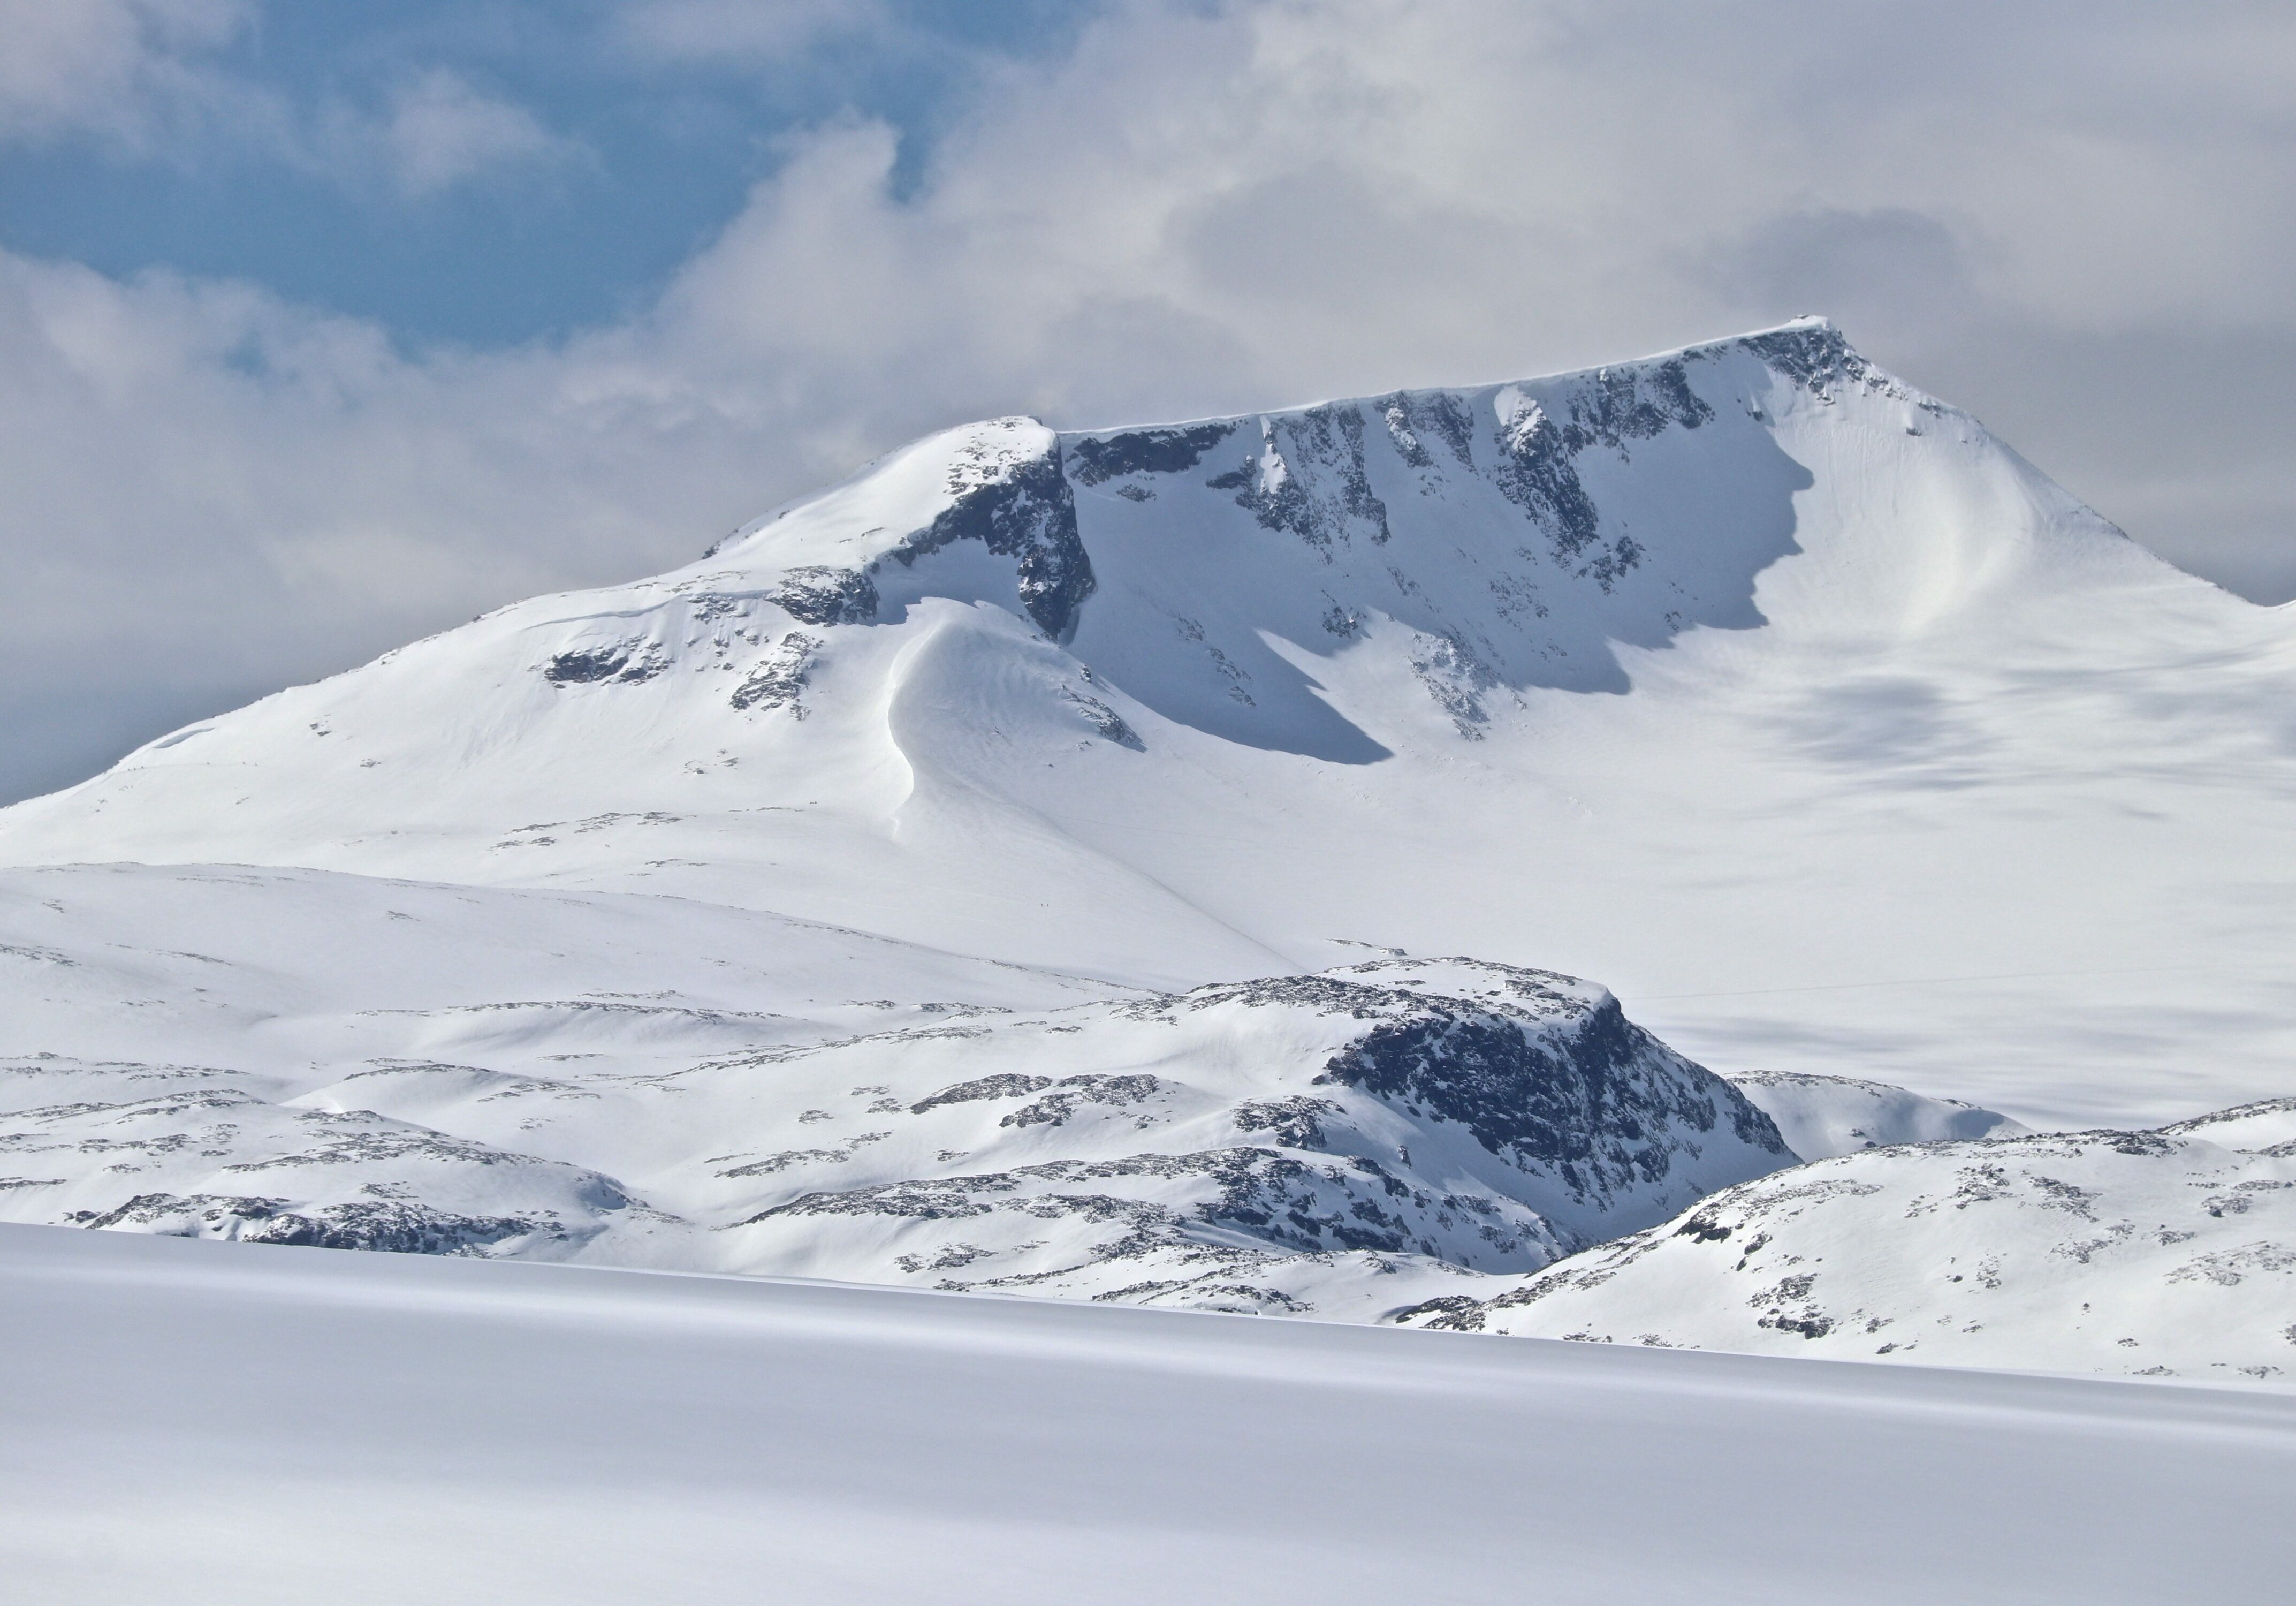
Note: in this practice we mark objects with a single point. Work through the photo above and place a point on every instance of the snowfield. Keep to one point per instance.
(1041, 864)
(2102, 1251)
(1822, 1117)
(215, 1424)
(357, 1064)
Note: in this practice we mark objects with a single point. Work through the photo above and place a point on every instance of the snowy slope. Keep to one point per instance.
(1780, 696)
(1822, 1117)
(2130, 1252)
(356, 1063)
(212, 1423)
(969, 875)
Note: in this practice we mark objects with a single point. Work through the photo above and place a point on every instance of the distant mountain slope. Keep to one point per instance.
(2132, 1252)
(354, 1064)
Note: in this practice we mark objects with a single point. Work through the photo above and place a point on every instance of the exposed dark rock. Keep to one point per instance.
(1005, 1084)
(627, 661)
(1284, 1203)
(185, 1214)
(1455, 1312)
(1160, 451)
(820, 596)
(1323, 446)
(779, 680)
(1537, 470)
(386, 1225)
(1816, 357)
(1106, 723)
(394, 1227)
(1026, 512)
(1456, 679)
(1056, 1107)
(1295, 1122)
(1620, 405)
(789, 1158)
(1413, 415)
(1535, 473)
(1588, 1103)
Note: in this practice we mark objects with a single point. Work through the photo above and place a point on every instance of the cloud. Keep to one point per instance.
(439, 131)
(146, 78)
(123, 70)
(2075, 221)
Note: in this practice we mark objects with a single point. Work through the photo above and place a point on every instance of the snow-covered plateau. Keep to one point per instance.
(1041, 864)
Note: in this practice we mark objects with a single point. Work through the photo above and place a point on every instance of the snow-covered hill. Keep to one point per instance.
(2143, 1253)
(1016, 866)
(357, 1064)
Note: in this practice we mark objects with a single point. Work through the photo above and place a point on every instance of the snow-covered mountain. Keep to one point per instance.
(1781, 697)
(1016, 866)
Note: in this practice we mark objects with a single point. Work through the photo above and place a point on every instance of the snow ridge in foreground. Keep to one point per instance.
(221, 1425)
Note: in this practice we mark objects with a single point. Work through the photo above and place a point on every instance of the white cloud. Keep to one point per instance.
(2075, 220)
(440, 131)
(121, 68)
(143, 77)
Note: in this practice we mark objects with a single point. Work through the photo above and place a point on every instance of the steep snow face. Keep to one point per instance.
(1486, 541)
(635, 1080)
(2142, 1253)
(1779, 696)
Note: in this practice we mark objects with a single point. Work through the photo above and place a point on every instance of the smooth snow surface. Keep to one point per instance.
(221, 1425)
(1036, 864)
(1822, 1117)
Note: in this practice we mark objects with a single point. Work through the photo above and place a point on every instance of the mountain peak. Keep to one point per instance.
(1001, 614)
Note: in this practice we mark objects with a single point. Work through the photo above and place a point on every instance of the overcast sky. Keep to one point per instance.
(326, 326)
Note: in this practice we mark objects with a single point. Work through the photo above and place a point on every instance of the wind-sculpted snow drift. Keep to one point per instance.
(1003, 870)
